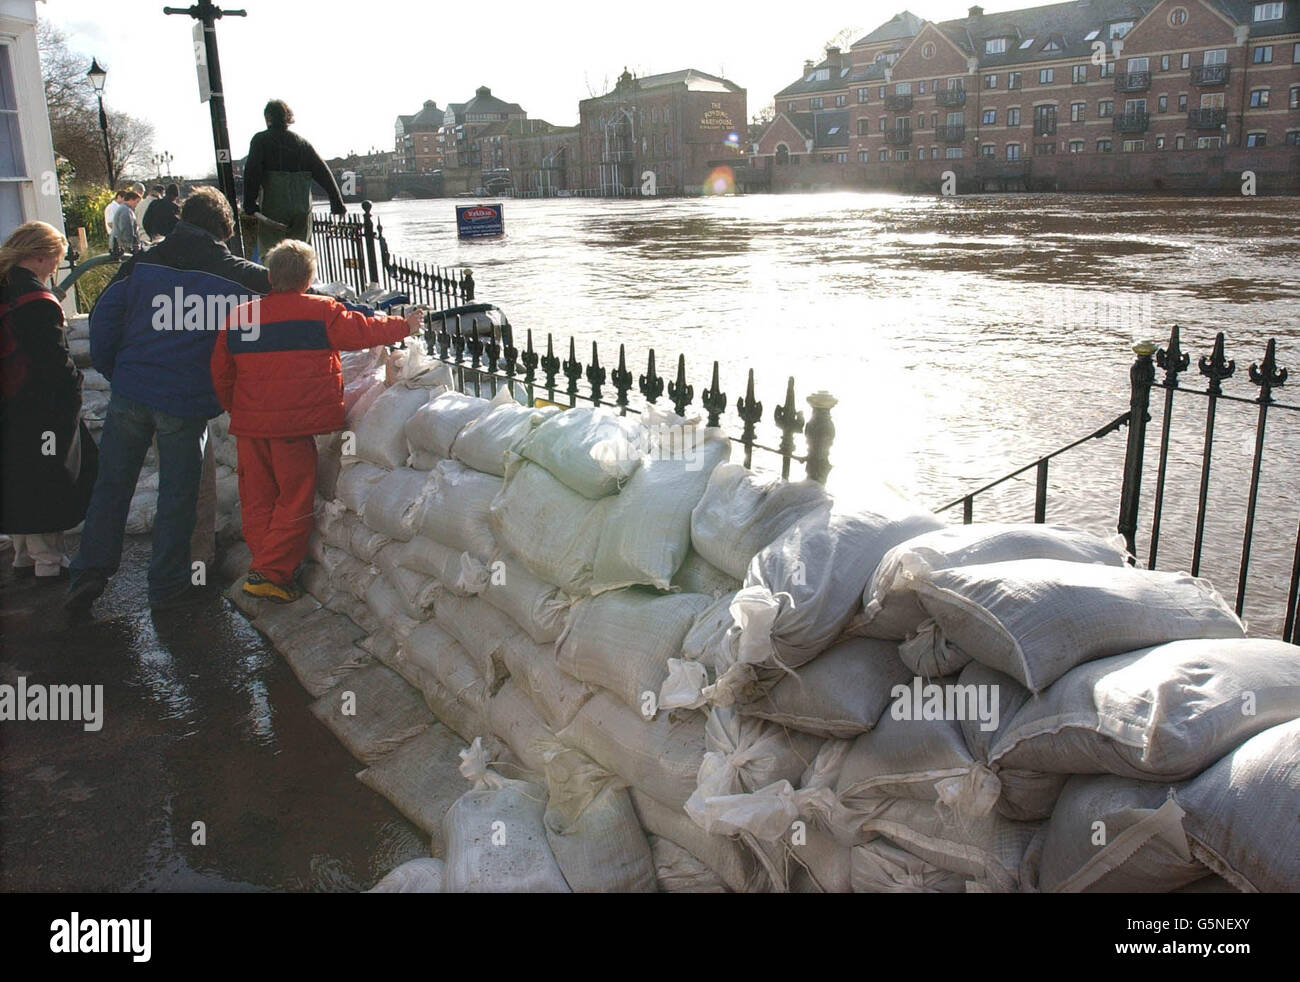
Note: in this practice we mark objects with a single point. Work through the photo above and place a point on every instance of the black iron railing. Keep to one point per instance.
(950, 133)
(1207, 119)
(1131, 122)
(352, 249)
(1133, 82)
(1210, 75)
(483, 365)
(950, 98)
(898, 103)
(1267, 375)
(901, 137)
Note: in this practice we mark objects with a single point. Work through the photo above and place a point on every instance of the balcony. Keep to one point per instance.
(1133, 82)
(950, 98)
(1207, 119)
(1045, 127)
(898, 103)
(901, 137)
(617, 157)
(953, 133)
(1131, 122)
(1210, 75)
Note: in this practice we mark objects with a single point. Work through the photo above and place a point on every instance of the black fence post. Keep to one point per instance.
(1141, 377)
(467, 285)
(368, 225)
(819, 433)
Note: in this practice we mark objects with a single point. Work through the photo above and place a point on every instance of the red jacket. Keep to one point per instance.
(276, 368)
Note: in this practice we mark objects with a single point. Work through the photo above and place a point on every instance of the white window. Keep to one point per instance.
(884, 156)
(1259, 99)
(990, 81)
(864, 156)
(1027, 42)
(1120, 28)
(1256, 139)
(832, 131)
(1013, 151)
(1138, 65)
(1046, 76)
(903, 88)
(995, 46)
(13, 167)
(1131, 146)
(1209, 142)
(920, 153)
(1267, 11)
(1216, 56)
(1076, 146)
(1091, 35)
(953, 153)
(1052, 45)
(841, 158)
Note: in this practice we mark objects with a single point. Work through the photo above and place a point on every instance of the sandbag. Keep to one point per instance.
(1035, 619)
(422, 780)
(890, 610)
(731, 861)
(372, 712)
(456, 572)
(1243, 814)
(456, 512)
(368, 388)
(357, 481)
(482, 630)
(803, 588)
(647, 530)
(697, 575)
(593, 451)
(660, 757)
(593, 829)
(878, 867)
(536, 606)
(484, 441)
(496, 840)
(322, 650)
(677, 871)
(621, 641)
(841, 693)
(423, 656)
(433, 427)
(351, 576)
(416, 591)
(557, 695)
(388, 607)
(395, 504)
(379, 435)
(423, 460)
(1116, 835)
(515, 720)
(741, 512)
(553, 530)
(1163, 713)
(415, 876)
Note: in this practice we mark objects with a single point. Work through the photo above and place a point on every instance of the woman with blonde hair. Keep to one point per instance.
(48, 459)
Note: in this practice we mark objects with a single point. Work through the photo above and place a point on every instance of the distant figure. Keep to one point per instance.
(282, 385)
(110, 211)
(126, 230)
(278, 177)
(163, 214)
(142, 209)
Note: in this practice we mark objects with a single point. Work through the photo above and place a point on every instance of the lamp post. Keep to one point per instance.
(97, 77)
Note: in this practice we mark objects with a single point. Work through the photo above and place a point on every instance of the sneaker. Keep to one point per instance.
(187, 596)
(255, 577)
(266, 589)
(85, 590)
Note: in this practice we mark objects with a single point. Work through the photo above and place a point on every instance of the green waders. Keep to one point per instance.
(286, 198)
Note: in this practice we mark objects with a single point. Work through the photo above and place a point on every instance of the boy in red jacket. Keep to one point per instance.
(276, 370)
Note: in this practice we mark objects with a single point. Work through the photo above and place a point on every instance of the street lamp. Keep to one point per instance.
(97, 76)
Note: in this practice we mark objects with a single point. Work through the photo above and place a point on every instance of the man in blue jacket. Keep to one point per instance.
(151, 335)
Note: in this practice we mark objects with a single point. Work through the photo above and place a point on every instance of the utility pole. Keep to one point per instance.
(207, 14)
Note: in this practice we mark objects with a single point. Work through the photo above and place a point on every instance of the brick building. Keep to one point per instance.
(542, 158)
(415, 148)
(1120, 94)
(463, 124)
(678, 126)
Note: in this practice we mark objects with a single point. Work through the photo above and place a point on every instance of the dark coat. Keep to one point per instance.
(40, 410)
(161, 217)
(280, 149)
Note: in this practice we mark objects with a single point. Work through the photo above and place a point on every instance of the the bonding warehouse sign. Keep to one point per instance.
(479, 221)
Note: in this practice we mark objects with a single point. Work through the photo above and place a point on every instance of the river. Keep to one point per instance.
(963, 336)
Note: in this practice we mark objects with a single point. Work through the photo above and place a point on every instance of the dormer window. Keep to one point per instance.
(1267, 11)
(1027, 42)
(1053, 44)
(995, 46)
(1091, 35)
(1120, 28)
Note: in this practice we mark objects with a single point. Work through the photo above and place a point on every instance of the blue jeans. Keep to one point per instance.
(128, 430)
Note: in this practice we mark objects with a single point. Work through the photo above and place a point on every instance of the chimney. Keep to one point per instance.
(833, 56)
(975, 13)
(808, 66)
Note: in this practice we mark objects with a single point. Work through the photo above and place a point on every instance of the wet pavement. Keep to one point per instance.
(202, 722)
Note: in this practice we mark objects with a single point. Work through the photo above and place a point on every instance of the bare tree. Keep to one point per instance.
(843, 38)
(131, 142)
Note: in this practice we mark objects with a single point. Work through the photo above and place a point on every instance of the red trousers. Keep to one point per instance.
(277, 488)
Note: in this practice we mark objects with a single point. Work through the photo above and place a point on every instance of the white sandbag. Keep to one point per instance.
(423, 460)
(536, 606)
(386, 604)
(456, 572)
(1242, 813)
(879, 867)
(422, 780)
(349, 575)
(372, 711)
(428, 655)
(515, 720)
(742, 512)
(456, 513)
(225, 452)
(356, 363)
(557, 695)
(435, 425)
(395, 504)
(697, 575)
(593, 829)
(1116, 835)
(988, 849)
(890, 609)
(496, 840)
(660, 757)
(622, 640)
(1035, 619)
(485, 440)
(647, 529)
(140, 516)
(357, 481)
(461, 716)
(552, 530)
(819, 864)
(322, 650)
(926, 759)
(706, 642)
(92, 381)
(928, 652)
(841, 693)
(380, 437)
(591, 450)
(1163, 713)
(416, 591)
(360, 394)
(677, 871)
(415, 876)
(481, 629)
(725, 856)
(803, 588)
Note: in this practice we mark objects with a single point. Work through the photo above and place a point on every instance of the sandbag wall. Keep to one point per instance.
(672, 673)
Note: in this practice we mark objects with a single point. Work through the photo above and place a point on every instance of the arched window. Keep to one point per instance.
(782, 153)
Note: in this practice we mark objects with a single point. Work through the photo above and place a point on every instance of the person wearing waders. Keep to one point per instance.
(278, 176)
(276, 370)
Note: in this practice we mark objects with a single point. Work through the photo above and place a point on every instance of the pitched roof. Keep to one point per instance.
(429, 117)
(904, 24)
(690, 78)
(485, 102)
(832, 128)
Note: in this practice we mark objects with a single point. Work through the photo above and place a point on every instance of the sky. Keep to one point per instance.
(348, 68)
